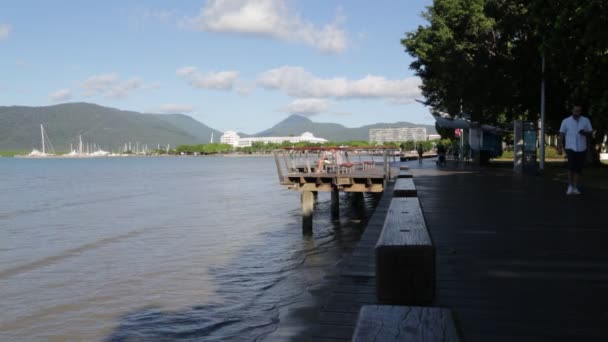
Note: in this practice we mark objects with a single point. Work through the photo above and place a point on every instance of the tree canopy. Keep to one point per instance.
(484, 57)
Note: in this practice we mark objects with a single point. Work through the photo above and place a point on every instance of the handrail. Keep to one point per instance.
(304, 161)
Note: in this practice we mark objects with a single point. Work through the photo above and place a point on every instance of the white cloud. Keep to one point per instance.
(123, 89)
(111, 86)
(307, 107)
(222, 80)
(172, 108)
(5, 29)
(298, 82)
(61, 95)
(186, 71)
(267, 18)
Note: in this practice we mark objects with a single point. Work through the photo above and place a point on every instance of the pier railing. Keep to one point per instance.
(332, 162)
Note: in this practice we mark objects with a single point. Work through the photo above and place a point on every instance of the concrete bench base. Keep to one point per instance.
(404, 187)
(405, 256)
(405, 174)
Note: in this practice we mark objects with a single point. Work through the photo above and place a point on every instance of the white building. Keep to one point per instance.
(433, 137)
(233, 139)
(383, 135)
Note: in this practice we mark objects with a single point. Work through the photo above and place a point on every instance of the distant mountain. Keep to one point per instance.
(107, 127)
(195, 128)
(296, 125)
(111, 128)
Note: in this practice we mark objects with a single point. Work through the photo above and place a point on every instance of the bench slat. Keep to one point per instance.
(388, 323)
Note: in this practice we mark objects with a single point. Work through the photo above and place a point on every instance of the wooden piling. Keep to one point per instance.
(307, 209)
(335, 204)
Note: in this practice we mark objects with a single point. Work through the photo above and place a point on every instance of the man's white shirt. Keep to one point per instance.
(571, 127)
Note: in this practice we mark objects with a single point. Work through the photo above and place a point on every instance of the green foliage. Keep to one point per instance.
(550, 153)
(203, 149)
(484, 56)
(12, 153)
(408, 145)
(260, 147)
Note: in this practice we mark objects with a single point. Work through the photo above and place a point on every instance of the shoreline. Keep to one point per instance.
(60, 156)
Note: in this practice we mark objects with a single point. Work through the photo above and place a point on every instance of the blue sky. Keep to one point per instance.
(232, 64)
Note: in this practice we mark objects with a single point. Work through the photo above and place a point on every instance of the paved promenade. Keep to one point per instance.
(517, 259)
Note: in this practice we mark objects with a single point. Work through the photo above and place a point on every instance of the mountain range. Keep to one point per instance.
(111, 128)
(296, 125)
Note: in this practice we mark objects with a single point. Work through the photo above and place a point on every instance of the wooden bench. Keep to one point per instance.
(404, 187)
(386, 323)
(405, 256)
(405, 174)
(403, 168)
(345, 167)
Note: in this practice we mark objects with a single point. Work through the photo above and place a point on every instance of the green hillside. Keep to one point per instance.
(200, 131)
(111, 128)
(107, 127)
(296, 125)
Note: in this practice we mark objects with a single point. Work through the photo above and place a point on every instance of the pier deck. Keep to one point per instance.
(517, 260)
(334, 168)
(369, 180)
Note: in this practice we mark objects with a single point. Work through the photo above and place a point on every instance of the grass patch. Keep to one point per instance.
(11, 153)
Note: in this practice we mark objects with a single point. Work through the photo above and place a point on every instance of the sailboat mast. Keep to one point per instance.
(42, 138)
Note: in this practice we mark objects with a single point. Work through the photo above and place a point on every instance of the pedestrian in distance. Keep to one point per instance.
(575, 130)
(441, 151)
(420, 151)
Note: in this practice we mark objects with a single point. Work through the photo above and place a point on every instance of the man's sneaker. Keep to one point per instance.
(575, 191)
(570, 190)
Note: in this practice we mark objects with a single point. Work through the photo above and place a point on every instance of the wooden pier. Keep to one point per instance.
(332, 169)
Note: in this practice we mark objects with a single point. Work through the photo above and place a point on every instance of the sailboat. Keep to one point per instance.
(43, 139)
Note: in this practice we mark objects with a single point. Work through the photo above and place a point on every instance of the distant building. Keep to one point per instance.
(230, 137)
(233, 139)
(384, 135)
(433, 137)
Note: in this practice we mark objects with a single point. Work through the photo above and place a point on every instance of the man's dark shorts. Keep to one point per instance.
(576, 160)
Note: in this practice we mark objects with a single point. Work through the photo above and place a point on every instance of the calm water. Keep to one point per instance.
(126, 249)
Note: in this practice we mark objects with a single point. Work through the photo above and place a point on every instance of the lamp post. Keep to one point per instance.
(542, 116)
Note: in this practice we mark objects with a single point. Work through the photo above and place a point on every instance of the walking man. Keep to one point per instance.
(575, 129)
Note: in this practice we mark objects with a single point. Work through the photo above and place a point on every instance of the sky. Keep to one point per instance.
(240, 65)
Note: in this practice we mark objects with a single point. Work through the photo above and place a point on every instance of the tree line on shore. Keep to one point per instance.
(260, 147)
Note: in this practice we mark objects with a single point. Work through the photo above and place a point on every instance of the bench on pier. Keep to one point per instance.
(405, 256)
(404, 168)
(405, 174)
(404, 323)
(345, 167)
(404, 187)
